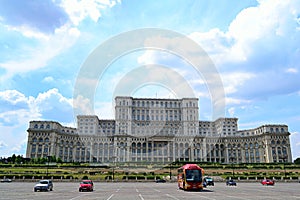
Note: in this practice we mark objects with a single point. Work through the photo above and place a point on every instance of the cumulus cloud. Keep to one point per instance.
(49, 27)
(295, 144)
(17, 109)
(38, 57)
(44, 16)
(233, 81)
(78, 10)
(83, 106)
(261, 40)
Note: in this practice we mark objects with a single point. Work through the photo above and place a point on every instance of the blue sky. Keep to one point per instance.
(254, 45)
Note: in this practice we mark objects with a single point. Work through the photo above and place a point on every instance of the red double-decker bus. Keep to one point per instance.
(190, 177)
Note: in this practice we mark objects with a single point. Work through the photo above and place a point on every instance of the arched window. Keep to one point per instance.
(278, 142)
(251, 146)
(273, 142)
(284, 142)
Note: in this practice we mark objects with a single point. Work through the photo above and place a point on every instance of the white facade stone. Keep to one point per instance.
(158, 130)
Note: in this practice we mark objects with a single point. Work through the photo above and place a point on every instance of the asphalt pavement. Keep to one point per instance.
(150, 191)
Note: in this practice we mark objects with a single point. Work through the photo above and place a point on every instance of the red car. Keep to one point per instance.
(267, 182)
(86, 185)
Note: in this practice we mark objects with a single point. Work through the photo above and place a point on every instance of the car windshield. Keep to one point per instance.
(43, 182)
(85, 182)
(209, 179)
(193, 175)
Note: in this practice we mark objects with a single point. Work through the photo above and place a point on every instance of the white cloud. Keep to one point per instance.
(236, 101)
(292, 70)
(18, 109)
(258, 27)
(235, 80)
(83, 105)
(49, 47)
(48, 79)
(79, 10)
(49, 99)
(295, 144)
(28, 31)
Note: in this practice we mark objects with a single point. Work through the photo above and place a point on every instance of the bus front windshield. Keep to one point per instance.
(193, 175)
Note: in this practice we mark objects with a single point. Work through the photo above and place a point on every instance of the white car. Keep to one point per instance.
(43, 185)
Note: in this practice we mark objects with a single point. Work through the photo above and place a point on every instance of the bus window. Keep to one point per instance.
(193, 175)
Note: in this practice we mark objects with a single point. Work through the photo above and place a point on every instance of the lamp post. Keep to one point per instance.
(113, 168)
(48, 159)
(284, 158)
(170, 172)
(170, 166)
(231, 160)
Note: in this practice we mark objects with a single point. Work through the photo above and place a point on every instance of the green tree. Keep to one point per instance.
(13, 158)
(19, 159)
(297, 161)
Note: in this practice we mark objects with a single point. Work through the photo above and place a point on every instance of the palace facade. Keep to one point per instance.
(158, 130)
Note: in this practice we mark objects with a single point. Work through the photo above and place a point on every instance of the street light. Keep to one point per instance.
(48, 158)
(284, 158)
(170, 165)
(232, 159)
(113, 168)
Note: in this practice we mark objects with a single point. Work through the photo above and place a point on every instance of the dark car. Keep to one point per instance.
(267, 182)
(230, 182)
(86, 185)
(43, 185)
(208, 181)
(160, 181)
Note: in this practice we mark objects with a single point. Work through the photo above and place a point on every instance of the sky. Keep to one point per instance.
(46, 46)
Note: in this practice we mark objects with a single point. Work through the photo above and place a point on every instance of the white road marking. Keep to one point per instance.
(141, 196)
(136, 190)
(110, 197)
(157, 190)
(172, 196)
(78, 197)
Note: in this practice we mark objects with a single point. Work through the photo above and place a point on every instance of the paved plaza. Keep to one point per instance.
(150, 191)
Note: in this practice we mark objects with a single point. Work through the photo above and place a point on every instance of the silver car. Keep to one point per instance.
(43, 185)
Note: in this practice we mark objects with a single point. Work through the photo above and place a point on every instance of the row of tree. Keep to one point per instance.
(19, 159)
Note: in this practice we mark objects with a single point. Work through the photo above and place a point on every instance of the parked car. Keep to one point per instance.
(208, 181)
(86, 185)
(43, 185)
(160, 181)
(6, 180)
(230, 182)
(267, 182)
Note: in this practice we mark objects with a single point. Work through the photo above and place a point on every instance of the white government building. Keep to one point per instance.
(158, 130)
